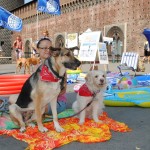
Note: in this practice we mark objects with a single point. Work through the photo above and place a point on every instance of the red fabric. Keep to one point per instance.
(84, 91)
(46, 75)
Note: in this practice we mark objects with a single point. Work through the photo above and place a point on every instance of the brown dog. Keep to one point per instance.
(31, 62)
(146, 58)
(141, 65)
(26, 63)
(20, 63)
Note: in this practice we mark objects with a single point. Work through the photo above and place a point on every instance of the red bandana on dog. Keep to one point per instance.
(46, 75)
(84, 91)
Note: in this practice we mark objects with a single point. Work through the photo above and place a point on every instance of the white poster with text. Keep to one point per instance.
(88, 51)
(103, 55)
(72, 40)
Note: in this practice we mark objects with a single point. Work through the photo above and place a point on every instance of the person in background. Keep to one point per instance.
(1, 49)
(18, 45)
(45, 34)
(112, 47)
(43, 46)
(146, 49)
(34, 48)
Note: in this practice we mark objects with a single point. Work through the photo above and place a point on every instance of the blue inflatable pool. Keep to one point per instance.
(139, 96)
(143, 80)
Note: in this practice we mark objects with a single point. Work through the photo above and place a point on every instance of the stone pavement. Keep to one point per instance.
(85, 67)
(137, 118)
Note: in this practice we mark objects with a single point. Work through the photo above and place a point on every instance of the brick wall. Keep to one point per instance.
(79, 15)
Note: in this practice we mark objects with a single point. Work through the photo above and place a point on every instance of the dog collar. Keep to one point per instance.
(84, 91)
(46, 75)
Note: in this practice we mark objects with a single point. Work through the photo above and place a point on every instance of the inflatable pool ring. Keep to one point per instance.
(14, 76)
(9, 92)
(139, 96)
(12, 84)
(5, 84)
(12, 80)
(11, 88)
(74, 71)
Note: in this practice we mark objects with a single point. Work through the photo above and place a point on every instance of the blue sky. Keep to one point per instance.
(26, 1)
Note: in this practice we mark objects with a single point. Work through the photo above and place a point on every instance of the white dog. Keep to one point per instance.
(91, 92)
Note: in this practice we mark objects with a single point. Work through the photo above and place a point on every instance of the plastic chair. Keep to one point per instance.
(129, 61)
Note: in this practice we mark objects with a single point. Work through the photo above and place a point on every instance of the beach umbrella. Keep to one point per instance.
(146, 32)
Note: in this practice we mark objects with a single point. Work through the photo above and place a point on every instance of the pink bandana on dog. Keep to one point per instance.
(46, 75)
(84, 91)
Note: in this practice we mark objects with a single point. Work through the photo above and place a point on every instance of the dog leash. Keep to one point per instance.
(88, 104)
(75, 113)
(49, 119)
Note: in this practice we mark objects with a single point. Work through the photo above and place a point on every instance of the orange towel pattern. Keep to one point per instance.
(88, 133)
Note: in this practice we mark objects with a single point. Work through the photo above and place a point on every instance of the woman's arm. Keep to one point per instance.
(14, 44)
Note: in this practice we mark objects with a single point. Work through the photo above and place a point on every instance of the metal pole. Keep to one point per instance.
(37, 24)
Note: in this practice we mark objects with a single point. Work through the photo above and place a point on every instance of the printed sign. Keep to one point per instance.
(103, 55)
(89, 45)
(88, 51)
(90, 36)
(72, 40)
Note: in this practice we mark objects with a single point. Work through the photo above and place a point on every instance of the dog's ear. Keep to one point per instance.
(74, 48)
(54, 49)
(88, 77)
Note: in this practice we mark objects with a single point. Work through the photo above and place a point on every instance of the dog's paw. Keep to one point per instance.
(81, 122)
(42, 129)
(31, 125)
(97, 120)
(58, 128)
(22, 129)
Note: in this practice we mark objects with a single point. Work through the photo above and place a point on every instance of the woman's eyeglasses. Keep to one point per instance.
(44, 48)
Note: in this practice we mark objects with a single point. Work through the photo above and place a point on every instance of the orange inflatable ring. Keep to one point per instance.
(5, 84)
(11, 88)
(12, 84)
(9, 92)
(13, 80)
(14, 76)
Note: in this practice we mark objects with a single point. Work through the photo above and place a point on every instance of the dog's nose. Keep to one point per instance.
(102, 80)
(78, 62)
